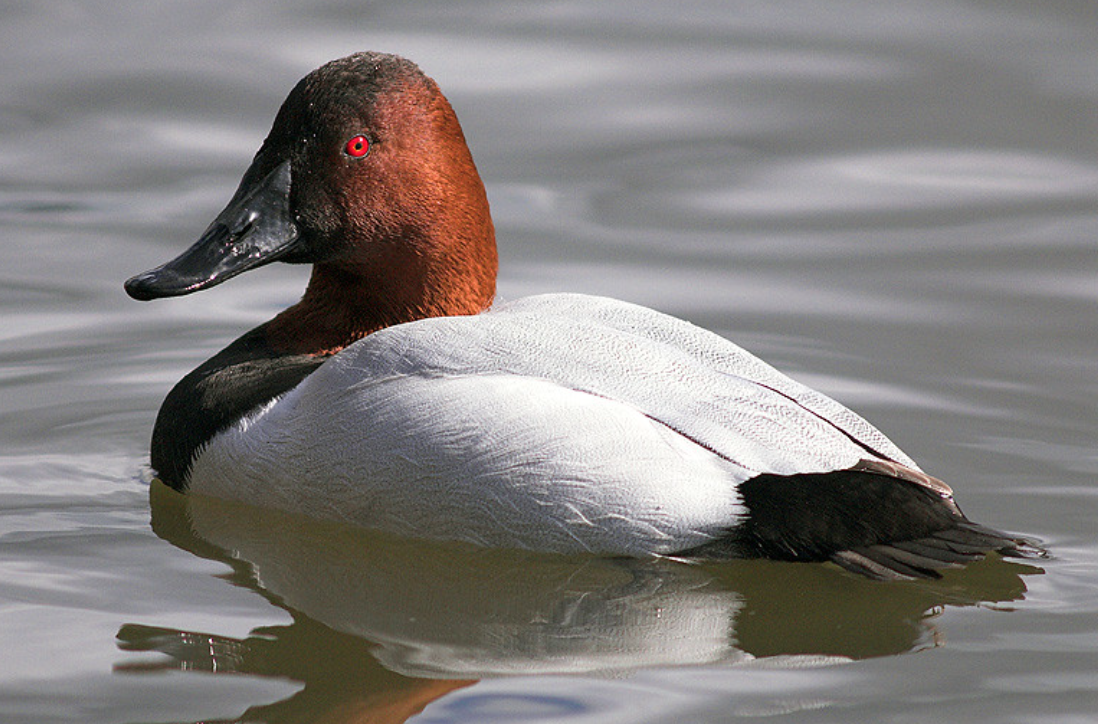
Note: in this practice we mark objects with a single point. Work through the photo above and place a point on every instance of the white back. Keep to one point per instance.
(686, 378)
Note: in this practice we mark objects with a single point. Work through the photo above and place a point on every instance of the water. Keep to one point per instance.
(892, 201)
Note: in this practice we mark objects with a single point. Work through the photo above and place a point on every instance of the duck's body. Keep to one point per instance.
(391, 398)
(562, 422)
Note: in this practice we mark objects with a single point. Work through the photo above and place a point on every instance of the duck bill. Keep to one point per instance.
(256, 228)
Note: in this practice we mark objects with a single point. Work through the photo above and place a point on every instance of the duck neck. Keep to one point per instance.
(394, 283)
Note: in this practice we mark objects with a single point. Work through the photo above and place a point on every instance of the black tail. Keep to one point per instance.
(868, 522)
(952, 547)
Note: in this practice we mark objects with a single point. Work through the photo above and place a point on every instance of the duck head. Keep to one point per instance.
(366, 175)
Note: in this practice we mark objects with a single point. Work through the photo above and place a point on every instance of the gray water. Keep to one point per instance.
(894, 202)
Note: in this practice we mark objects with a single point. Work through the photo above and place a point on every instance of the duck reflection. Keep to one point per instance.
(383, 626)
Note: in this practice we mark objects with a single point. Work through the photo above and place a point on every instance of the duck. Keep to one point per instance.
(399, 395)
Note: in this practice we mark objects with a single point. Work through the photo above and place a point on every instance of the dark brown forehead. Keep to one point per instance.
(344, 88)
(358, 78)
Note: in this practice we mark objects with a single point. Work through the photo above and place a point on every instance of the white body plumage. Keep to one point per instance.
(560, 423)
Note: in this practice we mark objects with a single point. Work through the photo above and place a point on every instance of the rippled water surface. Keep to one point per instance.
(895, 202)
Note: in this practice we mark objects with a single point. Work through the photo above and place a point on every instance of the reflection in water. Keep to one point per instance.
(383, 626)
(343, 682)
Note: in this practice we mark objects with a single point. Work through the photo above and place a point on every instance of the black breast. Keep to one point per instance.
(239, 378)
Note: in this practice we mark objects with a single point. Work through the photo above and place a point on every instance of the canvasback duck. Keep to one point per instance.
(395, 396)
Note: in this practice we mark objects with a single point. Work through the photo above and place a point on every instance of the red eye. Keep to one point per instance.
(357, 147)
